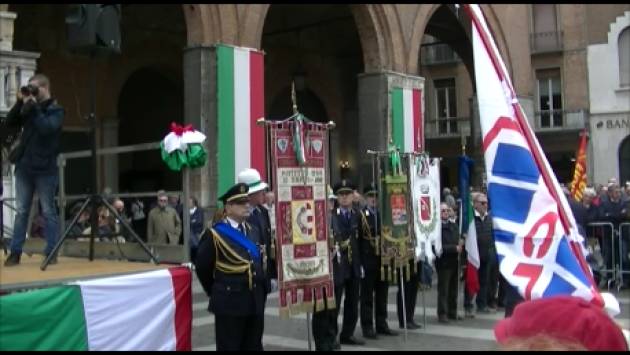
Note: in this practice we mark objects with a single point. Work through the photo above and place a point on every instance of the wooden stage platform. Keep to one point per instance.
(28, 274)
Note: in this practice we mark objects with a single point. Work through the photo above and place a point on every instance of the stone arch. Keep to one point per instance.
(371, 22)
(425, 13)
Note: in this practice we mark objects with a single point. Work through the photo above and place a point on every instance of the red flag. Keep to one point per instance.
(578, 184)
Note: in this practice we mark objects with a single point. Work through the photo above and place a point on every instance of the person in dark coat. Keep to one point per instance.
(230, 269)
(196, 226)
(346, 222)
(259, 218)
(447, 268)
(373, 288)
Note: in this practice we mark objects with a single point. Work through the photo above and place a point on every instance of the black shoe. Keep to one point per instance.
(455, 317)
(386, 331)
(53, 260)
(411, 325)
(443, 319)
(12, 260)
(351, 341)
(337, 345)
(369, 334)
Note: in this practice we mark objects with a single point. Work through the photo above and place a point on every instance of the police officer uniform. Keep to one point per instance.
(373, 288)
(259, 218)
(230, 269)
(346, 227)
(325, 327)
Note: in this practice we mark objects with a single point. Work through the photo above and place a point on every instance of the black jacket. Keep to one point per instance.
(230, 293)
(347, 233)
(615, 212)
(368, 243)
(259, 218)
(450, 240)
(485, 239)
(42, 124)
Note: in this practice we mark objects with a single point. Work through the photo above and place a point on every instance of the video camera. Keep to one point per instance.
(29, 90)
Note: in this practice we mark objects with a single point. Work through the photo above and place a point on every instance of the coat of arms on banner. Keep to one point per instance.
(397, 244)
(425, 191)
(299, 170)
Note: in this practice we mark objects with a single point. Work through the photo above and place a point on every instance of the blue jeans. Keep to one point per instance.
(46, 186)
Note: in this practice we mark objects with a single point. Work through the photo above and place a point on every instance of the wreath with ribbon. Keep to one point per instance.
(183, 146)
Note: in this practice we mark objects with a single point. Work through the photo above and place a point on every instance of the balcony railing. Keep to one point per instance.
(442, 53)
(560, 119)
(545, 42)
(447, 127)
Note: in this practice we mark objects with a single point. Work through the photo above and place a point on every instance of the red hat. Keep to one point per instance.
(565, 318)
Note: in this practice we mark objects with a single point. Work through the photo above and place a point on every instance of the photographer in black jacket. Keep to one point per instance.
(35, 160)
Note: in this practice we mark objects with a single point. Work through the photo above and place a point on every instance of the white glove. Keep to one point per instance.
(362, 273)
(274, 285)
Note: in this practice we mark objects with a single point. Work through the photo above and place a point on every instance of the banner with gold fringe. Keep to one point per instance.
(579, 173)
(300, 180)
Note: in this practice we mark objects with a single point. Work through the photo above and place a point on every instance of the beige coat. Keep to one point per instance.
(163, 226)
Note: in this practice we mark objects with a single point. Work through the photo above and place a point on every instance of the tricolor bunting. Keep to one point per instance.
(539, 248)
(240, 103)
(407, 122)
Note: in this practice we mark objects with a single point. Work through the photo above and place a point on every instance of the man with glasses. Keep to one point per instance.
(163, 225)
(35, 160)
(229, 266)
(488, 268)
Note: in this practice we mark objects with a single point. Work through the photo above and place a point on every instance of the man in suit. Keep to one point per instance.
(259, 218)
(373, 288)
(229, 266)
(346, 223)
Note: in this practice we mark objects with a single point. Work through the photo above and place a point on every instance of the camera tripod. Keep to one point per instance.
(95, 199)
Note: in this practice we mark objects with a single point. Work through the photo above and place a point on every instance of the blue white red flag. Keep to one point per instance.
(539, 248)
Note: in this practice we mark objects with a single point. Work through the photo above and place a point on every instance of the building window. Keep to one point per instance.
(549, 98)
(545, 36)
(446, 105)
(624, 57)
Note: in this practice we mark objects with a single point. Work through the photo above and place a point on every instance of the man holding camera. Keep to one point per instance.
(35, 159)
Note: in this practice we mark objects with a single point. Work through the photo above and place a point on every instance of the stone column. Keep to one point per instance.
(6, 29)
(375, 114)
(200, 109)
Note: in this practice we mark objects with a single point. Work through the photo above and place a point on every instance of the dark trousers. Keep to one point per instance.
(512, 299)
(373, 300)
(447, 288)
(503, 284)
(487, 283)
(351, 288)
(325, 329)
(411, 291)
(234, 333)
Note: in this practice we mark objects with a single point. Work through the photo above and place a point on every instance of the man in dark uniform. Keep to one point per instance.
(447, 268)
(230, 269)
(373, 289)
(325, 327)
(259, 218)
(346, 223)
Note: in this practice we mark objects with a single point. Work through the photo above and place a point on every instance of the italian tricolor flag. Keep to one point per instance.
(241, 102)
(407, 123)
(144, 311)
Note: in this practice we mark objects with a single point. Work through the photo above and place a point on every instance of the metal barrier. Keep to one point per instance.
(155, 146)
(622, 257)
(604, 226)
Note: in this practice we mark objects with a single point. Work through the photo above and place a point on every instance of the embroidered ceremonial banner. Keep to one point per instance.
(397, 244)
(578, 184)
(300, 178)
(425, 191)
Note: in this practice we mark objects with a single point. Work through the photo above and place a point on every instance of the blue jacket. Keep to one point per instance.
(42, 131)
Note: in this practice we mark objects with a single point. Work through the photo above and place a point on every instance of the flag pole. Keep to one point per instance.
(402, 297)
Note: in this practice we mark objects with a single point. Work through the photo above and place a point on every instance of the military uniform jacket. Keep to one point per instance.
(369, 243)
(259, 218)
(234, 281)
(346, 233)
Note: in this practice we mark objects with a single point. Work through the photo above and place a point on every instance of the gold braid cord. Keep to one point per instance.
(234, 264)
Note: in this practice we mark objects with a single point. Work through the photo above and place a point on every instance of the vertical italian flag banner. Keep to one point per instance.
(407, 119)
(144, 311)
(240, 102)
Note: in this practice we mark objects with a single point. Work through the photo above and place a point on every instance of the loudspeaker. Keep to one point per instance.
(94, 28)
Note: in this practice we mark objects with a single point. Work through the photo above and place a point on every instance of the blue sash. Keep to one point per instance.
(239, 238)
